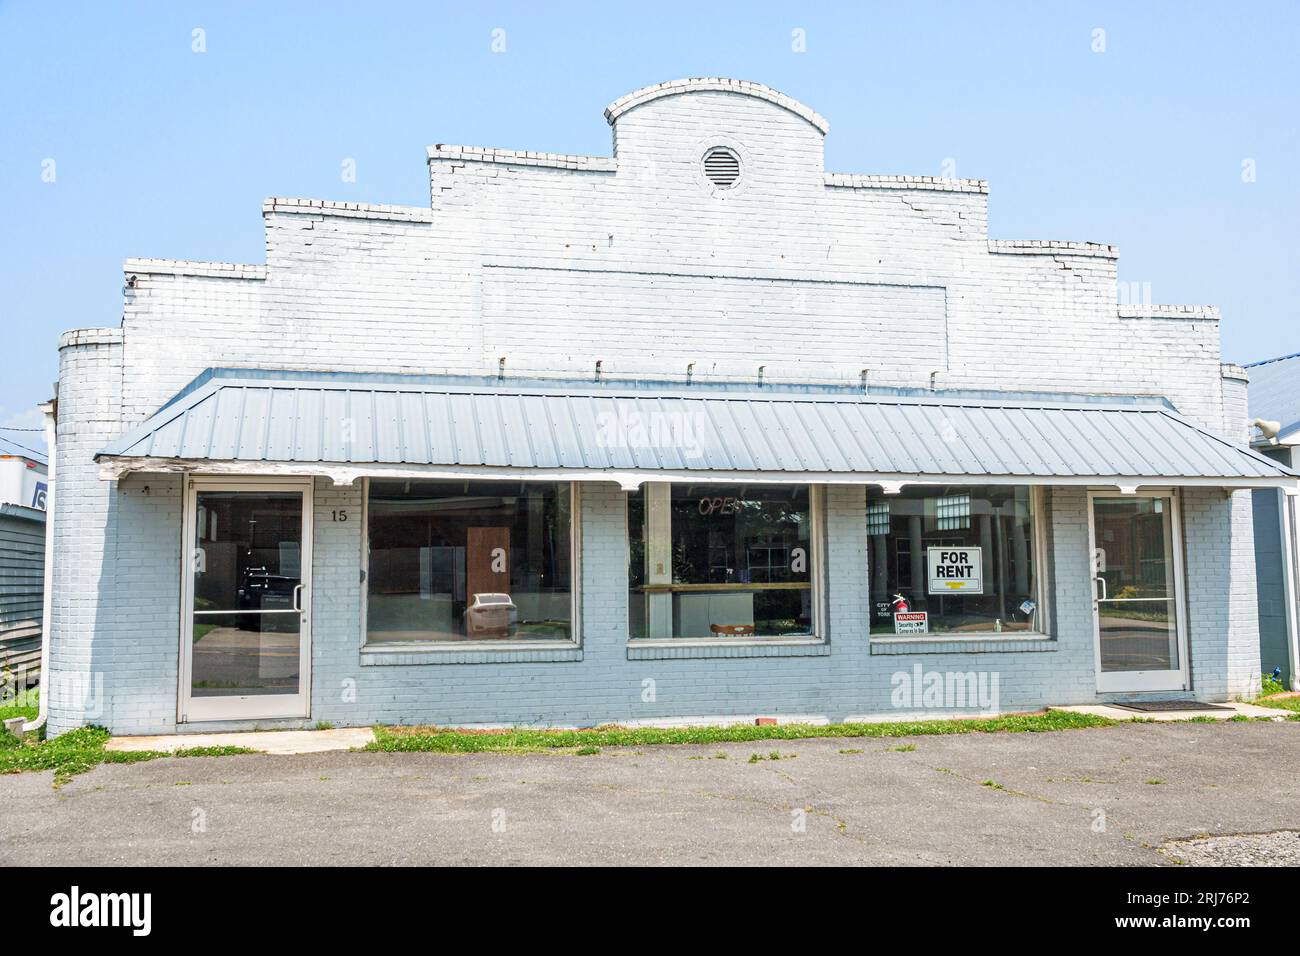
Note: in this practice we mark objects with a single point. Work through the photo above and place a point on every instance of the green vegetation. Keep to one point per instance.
(1274, 694)
(25, 707)
(444, 740)
(1290, 702)
(78, 750)
(774, 755)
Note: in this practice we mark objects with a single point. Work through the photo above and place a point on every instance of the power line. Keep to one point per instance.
(10, 441)
(11, 428)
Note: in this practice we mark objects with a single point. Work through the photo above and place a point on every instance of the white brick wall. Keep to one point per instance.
(90, 377)
(556, 262)
(517, 244)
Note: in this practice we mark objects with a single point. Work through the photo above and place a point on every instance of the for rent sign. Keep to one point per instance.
(955, 570)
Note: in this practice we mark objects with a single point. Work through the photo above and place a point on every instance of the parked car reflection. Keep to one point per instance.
(492, 615)
(260, 589)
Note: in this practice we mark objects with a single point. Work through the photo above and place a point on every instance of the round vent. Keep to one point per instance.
(722, 167)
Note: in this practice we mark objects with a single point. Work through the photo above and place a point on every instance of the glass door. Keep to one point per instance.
(1137, 593)
(245, 637)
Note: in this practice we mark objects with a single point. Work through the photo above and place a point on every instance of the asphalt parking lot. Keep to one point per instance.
(1100, 796)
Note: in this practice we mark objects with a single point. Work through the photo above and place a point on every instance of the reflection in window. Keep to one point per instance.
(1137, 608)
(992, 526)
(952, 512)
(878, 517)
(720, 561)
(469, 561)
(247, 571)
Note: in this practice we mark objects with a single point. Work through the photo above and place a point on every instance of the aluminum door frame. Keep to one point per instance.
(252, 706)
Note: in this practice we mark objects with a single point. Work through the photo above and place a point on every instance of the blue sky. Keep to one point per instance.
(162, 151)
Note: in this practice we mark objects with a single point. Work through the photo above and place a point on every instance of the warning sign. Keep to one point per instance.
(911, 622)
(955, 570)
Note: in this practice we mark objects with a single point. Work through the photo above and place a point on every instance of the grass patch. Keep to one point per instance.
(78, 750)
(203, 752)
(72, 753)
(444, 740)
(9, 707)
(1290, 702)
(1274, 694)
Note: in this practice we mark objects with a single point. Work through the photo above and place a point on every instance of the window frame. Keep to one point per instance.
(1043, 630)
(514, 647)
(817, 580)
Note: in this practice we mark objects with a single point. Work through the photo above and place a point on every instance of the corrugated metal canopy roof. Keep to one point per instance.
(244, 422)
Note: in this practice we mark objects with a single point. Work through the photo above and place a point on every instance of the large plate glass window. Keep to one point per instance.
(953, 560)
(721, 561)
(469, 561)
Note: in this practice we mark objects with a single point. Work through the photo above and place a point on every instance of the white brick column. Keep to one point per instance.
(90, 376)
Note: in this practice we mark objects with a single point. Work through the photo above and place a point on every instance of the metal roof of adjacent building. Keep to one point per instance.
(1274, 391)
(349, 425)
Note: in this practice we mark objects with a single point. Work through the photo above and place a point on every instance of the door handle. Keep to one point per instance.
(1104, 593)
(297, 597)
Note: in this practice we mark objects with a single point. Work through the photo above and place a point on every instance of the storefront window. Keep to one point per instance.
(469, 561)
(953, 560)
(720, 561)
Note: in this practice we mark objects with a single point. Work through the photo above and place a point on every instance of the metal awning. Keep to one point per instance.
(245, 422)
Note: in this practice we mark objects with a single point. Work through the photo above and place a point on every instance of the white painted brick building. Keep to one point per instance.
(646, 274)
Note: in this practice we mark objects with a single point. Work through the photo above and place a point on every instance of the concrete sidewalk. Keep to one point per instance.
(267, 741)
(1113, 795)
(1220, 712)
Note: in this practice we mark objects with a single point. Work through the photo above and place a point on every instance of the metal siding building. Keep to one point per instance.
(1275, 399)
(22, 569)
